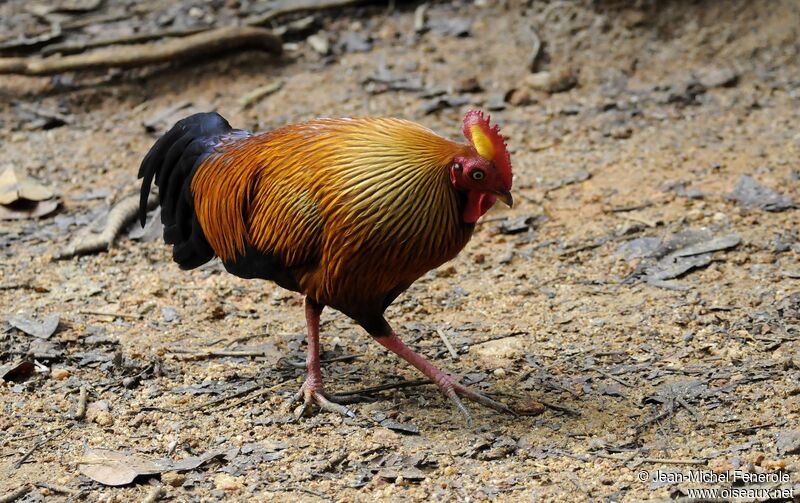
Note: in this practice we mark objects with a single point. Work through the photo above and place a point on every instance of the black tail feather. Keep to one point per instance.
(171, 163)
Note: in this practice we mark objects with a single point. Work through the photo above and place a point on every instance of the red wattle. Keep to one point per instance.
(478, 203)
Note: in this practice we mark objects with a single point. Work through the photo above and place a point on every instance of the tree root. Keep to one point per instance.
(193, 46)
(120, 216)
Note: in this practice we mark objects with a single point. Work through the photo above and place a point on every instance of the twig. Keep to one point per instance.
(155, 494)
(560, 408)
(111, 314)
(447, 343)
(749, 429)
(39, 444)
(670, 461)
(228, 397)
(535, 51)
(15, 495)
(14, 286)
(80, 410)
(58, 489)
(498, 337)
(202, 44)
(612, 377)
(384, 387)
(123, 213)
(254, 396)
(201, 355)
(302, 365)
(324, 497)
(688, 407)
(664, 413)
(32, 435)
(420, 18)
(259, 93)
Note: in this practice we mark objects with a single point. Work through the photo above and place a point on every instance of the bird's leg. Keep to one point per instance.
(450, 387)
(311, 391)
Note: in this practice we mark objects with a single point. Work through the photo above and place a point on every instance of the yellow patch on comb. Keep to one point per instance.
(482, 143)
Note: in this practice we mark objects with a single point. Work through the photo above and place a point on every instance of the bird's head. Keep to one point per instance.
(483, 171)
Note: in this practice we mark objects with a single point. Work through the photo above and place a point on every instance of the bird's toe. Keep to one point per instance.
(311, 396)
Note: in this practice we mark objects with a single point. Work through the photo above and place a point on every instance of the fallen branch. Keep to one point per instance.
(122, 214)
(15, 495)
(193, 46)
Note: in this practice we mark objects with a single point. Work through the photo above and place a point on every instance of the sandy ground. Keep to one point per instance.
(555, 307)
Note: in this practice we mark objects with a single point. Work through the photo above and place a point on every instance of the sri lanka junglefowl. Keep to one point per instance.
(348, 212)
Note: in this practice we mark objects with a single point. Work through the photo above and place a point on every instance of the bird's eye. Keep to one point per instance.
(457, 166)
(478, 175)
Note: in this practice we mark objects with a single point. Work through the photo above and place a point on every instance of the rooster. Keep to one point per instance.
(348, 212)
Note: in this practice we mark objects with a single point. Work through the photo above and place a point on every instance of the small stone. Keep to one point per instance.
(196, 12)
(499, 372)
(788, 442)
(621, 133)
(520, 97)
(319, 43)
(100, 412)
(59, 374)
(228, 482)
(529, 408)
(552, 82)
(174, 479)
(103, 418)
(447, 272)
(718, 77)
(469, 85)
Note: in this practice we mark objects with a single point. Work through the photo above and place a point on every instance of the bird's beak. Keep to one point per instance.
(505, 196)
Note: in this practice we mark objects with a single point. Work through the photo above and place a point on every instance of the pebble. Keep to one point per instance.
(557, 81)
(59, 374)
(100, 412)
(228, 482)
(520, 97)
(174, 479)
(319, 43)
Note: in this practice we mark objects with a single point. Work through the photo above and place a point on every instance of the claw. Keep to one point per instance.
(454, 390)
(312, 395)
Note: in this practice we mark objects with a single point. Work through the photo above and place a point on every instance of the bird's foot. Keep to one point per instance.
(312, 394)
(453, 390)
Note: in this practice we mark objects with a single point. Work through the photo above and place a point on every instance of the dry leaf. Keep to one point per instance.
(16, 371)
(42, 328)
(113, 468)
(14, 187)
(24, 209)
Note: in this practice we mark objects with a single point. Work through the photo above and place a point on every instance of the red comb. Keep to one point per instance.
(500, 156)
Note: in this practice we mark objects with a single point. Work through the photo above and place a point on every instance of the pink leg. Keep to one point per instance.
(311, 391)
(449, 386)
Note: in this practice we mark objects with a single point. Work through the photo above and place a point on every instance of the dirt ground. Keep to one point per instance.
(638, 305)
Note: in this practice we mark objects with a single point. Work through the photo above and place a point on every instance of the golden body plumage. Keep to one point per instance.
(355, 209)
